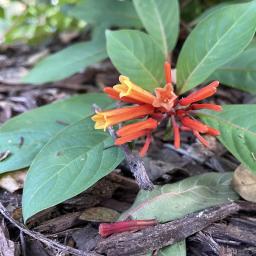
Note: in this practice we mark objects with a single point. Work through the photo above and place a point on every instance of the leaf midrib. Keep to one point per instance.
(232, 125)
(215, 45)
(140, 206)
(138, 60)
(162, 30)
(64, 166)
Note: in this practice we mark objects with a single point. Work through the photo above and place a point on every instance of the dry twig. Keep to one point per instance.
(50, 243)
(161, 235)
(135, 163)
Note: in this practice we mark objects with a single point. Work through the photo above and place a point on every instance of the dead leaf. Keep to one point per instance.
(99, 214)
(244, 183)
(13, 181)
(7, 247)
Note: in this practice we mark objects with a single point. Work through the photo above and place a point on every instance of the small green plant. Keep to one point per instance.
(35, 21)
(67, 155)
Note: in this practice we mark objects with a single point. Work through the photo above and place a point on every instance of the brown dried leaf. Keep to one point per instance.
(13, 181)
(244, 183)
(99, 214)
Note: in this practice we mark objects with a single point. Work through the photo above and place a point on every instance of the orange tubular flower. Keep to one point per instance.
(149, 124)
(144, 149)
(108, 118)
(165, 97)
(213, 132)
(134, 131)
(112, 93)
(155, 108)
(213, 107)
(133, 91)
(168, 73)
(194, 124)
(201, 139)
(201, 94)
(129, 137)
(176, 133)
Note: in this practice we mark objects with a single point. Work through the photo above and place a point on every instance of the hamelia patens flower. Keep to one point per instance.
(106, 229)
(148, 110)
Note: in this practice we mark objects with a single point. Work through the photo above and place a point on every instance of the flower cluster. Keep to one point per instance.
(150, 109)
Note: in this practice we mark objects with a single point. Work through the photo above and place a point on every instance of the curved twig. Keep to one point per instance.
(42, 238)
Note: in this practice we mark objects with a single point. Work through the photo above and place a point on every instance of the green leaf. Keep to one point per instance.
(209, 12)
(72, 161)
(23, 136)
(136, 55)
(239, 73)
(67, 62)
(173, 201)
(2, 13)
(220, 37)
(237, 125)
(107, 12)
(161, 20)
(178, 249)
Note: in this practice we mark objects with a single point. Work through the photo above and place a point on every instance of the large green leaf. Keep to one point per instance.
(209, 12)
(239, 73)
(220, 37)
(72, 161)
(67, 62)
(23, 136)
(161, 20)
(173, 201)
(107, 13)
(136, 55)
(237, 125)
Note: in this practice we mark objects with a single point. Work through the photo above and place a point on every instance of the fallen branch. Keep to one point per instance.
(161, 235)
(135, 163)
(50, 243)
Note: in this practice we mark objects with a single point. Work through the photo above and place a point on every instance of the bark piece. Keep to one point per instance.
(161, 235)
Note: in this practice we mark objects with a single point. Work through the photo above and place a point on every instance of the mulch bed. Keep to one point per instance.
(224, 230)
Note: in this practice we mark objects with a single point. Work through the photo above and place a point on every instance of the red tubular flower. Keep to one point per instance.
(150, 124)
(126, 88)
(213, 132)
(116, 116)
(144, 149)
(213, 107)
(168, 73)
(194, 124)
(130, 137)
(201, 139)
(176, 133)
(165, 97)
(107, 229)
(115, 95)
(134, 131)
(155, 108)
(201, 94)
